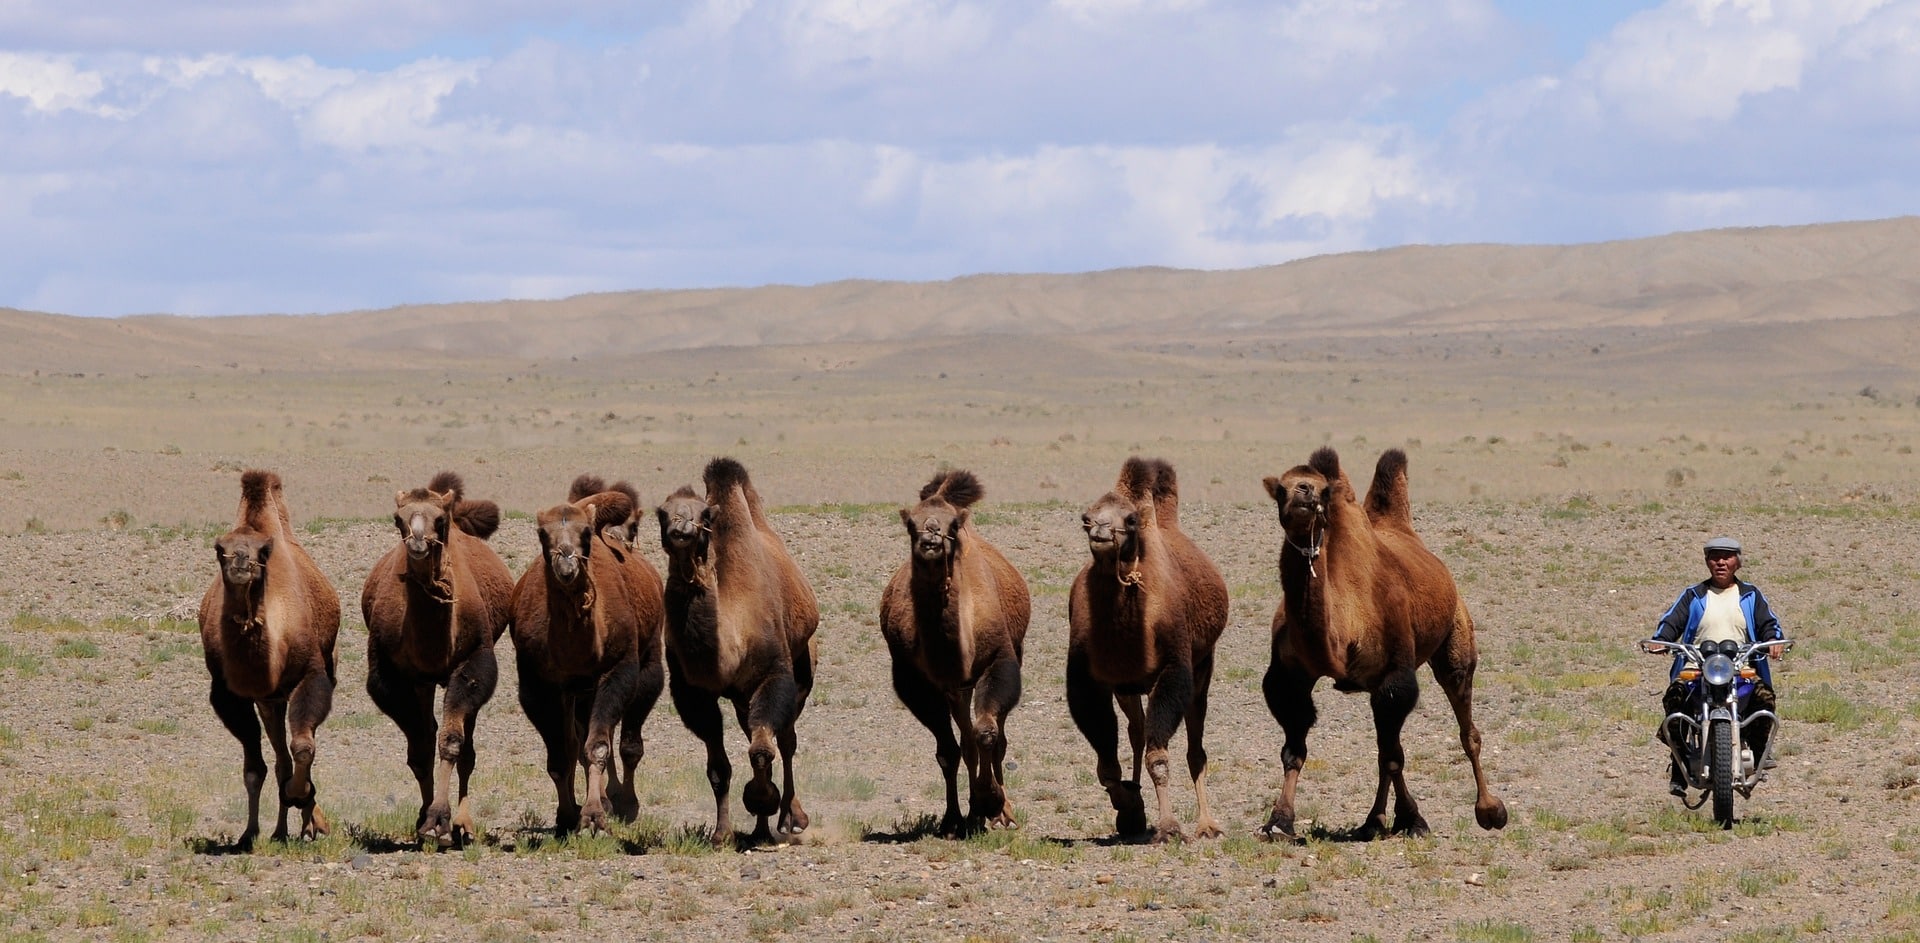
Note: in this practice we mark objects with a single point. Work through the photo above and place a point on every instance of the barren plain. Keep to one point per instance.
(1578, 420)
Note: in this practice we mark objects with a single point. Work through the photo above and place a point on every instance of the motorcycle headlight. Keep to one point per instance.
(1718, 670)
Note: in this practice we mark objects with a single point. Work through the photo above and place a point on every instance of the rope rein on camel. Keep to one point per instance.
(1316, 534)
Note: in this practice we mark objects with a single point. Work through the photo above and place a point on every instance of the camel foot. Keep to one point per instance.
(952, 825)
(1130, 812)
(1279, 827)
(245, 842)
(1492, 815)
(794, 820)
(625, 803)
(566, 820)
(313, 824)
(1207, 828)
(594, 820)
(762, 835)
(436, 827)
(1372, 829)
(1416, 828)
(1003, 820)
(1168, 830)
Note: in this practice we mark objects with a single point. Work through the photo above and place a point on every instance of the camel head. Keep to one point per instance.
(423, 517)
(933, 529)
(1305, 495)
(243, 556)
(686, 523)
(1111, 523)
(566, 540)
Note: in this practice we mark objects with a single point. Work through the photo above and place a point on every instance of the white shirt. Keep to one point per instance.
(1722, 619)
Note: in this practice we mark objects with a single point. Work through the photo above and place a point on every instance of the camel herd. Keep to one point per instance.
(597, 634)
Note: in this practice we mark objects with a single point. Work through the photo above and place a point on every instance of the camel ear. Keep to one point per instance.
(442, 498)
(959, 521)
(906, 517)
(591, 511)
(1272, 485)
(399, 499)
(266, 549)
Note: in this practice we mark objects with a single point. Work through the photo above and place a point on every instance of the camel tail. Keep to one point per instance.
(585, 486)
(448, 481)
(479, 518)
(958, 487)
(260, 504)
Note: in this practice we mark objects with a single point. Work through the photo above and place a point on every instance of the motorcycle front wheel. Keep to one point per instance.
(1721, 749)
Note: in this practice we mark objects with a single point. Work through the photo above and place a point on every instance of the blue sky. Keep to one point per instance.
(238, 156)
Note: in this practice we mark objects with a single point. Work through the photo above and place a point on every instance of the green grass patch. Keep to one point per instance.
(76, 648)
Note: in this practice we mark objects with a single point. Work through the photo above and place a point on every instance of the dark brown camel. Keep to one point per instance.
(268, 625)
(587, 622)
(955, 620)
(434, 606)
(1365, 604)
(740, 624)
(1145, 614)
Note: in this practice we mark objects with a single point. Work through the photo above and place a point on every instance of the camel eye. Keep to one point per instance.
(1132, 521)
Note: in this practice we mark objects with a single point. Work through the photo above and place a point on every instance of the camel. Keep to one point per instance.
(435, 605)
(740, 624)
(955, 620)
(1365, 603)
(586, 637)
(268, 625)
(1145, 614)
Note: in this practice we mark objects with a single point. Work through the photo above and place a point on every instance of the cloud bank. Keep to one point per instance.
(226, 156)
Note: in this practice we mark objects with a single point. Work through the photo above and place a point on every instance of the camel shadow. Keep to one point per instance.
(910, 830)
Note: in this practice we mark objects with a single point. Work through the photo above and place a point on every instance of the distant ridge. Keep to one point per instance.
(1772, 275)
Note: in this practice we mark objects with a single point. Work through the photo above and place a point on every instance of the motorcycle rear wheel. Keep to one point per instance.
(1721, 749)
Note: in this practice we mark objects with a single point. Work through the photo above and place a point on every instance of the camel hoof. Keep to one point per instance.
(1415, 829)
(1279, 827)
(314, 825)
(1166, 831)
(1004, 820)
(794, 820)
(1207, 828)
(594, 821)
(1130, 822)
(626, 806)
(1491, 816)
(952, 825)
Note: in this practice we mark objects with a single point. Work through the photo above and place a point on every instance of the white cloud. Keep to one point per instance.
(50, 83)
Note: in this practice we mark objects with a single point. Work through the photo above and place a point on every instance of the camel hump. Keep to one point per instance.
(958, 487)
(1151, 482)
(585, 486)
(1325, 461)
(722, 476)
(446, 482)
(261, 504)
(611, 508)
(479, 518)
(1387, 495)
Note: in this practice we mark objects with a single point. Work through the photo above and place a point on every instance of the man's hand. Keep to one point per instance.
(1776, 652)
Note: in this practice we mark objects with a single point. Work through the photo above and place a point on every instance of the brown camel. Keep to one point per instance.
(1145, 614)
(434, 606)
(740, 624)
(955, 619)
(586, 636)
(268, 625)
(1365, 603)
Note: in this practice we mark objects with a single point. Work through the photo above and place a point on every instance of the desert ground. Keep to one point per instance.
(1567, 468)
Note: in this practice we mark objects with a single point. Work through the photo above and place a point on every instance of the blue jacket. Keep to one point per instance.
(1683, 620)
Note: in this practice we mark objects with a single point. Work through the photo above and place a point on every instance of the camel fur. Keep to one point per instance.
(587, 619)
(955, 620)
(435, 605)
(268, 625)
(1145, 614)
(740, 625)
(1365, 603)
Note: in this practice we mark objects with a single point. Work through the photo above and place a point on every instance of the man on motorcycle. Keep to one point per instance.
(1720, 607)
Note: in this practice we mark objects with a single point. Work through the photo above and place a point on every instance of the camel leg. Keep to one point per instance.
(1205, 826)
(1136, 727)
(551, 714)
(1171, 697)
(1289, 694)
(273, 718)
(793, 818)
(470, 686)
(1090, 703)
(410, 706)
(929, 707)
(994, 698)
(610, 698)
(311, 701)
(1453, 669)
(1392, 702)
(237, 714)
(623, 798)
(767, 717)
(700, 712)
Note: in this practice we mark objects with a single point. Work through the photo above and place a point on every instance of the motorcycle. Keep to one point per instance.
(1709, 740)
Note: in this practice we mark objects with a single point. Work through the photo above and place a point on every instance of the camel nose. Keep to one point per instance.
(566, 566)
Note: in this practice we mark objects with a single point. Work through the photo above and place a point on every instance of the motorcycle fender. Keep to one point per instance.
(1720, 713)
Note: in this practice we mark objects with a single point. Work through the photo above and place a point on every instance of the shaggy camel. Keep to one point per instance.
(434, 606)
(1365, 603)
(268, 625)
(740, 624)
(1145, 613)
(955, 620)
(586, 638)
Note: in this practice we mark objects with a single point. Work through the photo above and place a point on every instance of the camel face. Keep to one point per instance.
(243, 556)
(423, 524)
(1301, 494)
(1110, 524)
(933, 529)
(566, 540)
(685, 521)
